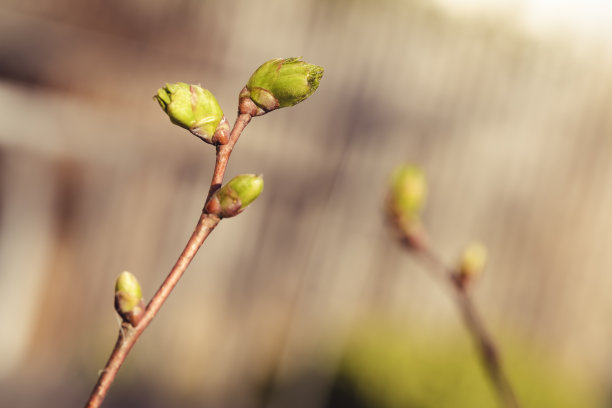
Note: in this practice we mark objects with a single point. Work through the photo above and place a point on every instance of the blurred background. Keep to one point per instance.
(305, 300)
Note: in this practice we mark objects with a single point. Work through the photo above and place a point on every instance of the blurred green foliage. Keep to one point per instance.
(386, 367)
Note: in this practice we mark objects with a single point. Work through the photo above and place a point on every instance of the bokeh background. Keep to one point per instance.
(305, 300)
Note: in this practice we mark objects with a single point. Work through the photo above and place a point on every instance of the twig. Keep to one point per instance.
(474, 323)
(224, 152)
(128, 335)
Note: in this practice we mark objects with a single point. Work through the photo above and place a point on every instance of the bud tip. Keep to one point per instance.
(195, 109)
(128, 298)
(281, 82)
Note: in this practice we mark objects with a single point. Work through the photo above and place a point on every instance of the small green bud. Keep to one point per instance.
(405, 200)
(279, 83)
(195, 109)
(473, 259)
(128, 298)
(235, 196)
(470, 264)
(408, 192)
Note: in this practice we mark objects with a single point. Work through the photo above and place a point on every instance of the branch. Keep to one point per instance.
(224, 152)
(280, 82)
(128, 335)
(484, 342)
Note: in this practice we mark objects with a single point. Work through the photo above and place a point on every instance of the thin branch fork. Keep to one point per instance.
(128, 335)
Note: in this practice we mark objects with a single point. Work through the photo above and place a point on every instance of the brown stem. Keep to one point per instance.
(224, 152)
(474, 323)
(128, 335)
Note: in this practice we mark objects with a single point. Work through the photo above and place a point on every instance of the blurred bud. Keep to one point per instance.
(471, 264)
(235, 196)
(408, 191)
(128, 298)
(195, 109)
(279, 83)
(406, 198)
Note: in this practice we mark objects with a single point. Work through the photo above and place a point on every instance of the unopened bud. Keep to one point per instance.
(279, 83)
(471, 264)
(128, 298)
(235, 196)
(407, 193)
(195, 109)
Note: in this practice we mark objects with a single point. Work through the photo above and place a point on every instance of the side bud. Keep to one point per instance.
(406, 198)
(128, 298)
(235, 196)
(471, 264)
(279, 83)
(195, 109)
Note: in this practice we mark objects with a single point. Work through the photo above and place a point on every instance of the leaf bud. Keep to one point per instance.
(406, 198)
(471, 263)
(279, 83)
(407, 192)
(195, 109)
(128, 298)
(235, 196)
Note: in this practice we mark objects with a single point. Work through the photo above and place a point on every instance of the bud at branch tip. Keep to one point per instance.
(405, 199)
(195, 109)
(279, 83)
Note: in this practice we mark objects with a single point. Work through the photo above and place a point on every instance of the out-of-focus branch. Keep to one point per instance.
(405, 201)
(474, 323)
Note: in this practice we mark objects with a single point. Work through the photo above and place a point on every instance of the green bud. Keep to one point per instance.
(408, 192)
(235, 196)
(279, 83)
(405, 200)
(472, 260)
(128, 298)
(195, 109)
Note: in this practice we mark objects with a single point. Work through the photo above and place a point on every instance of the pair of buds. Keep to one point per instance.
(406, 199)
(278, 83)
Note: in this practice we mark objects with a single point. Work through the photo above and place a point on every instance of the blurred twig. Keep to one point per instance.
(484, 342)
(406, 199)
